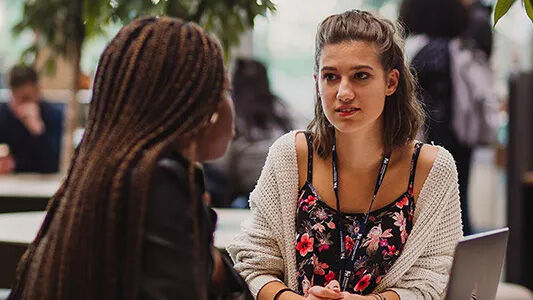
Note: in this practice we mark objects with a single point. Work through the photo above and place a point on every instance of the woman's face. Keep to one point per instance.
(352, 85)
(214, 140)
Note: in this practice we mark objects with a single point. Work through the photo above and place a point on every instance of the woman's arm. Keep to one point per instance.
(272, 288)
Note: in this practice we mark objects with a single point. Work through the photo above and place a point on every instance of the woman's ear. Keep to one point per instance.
(393, 79)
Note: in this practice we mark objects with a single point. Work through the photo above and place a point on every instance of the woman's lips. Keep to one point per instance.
(346, 112)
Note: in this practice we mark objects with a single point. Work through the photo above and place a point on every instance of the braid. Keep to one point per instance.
(158, 81)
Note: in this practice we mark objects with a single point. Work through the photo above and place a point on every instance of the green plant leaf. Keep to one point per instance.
(502, 6)
(528, 4)
(64, 25)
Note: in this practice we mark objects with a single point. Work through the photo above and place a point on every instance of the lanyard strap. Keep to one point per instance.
(348, 265)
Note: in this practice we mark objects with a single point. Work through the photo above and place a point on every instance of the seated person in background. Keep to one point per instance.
(261, 118)
(30, 126)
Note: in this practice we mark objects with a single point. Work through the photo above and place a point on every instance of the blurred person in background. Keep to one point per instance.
(30, 126)
(449, 55)
(261, 118)
(479, 29)
(129, 222)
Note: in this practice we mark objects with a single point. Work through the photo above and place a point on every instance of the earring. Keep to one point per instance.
(214, 118)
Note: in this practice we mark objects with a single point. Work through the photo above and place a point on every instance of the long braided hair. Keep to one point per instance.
(157, 84)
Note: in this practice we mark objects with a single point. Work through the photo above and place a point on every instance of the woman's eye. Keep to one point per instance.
(329, 76)
(361, 75)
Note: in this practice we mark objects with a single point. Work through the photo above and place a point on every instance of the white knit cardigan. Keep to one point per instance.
(265, 249)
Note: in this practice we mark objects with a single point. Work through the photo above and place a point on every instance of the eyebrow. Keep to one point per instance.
(356, 67)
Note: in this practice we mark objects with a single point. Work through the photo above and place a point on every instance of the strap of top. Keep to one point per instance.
(309, 140)
(414, 160)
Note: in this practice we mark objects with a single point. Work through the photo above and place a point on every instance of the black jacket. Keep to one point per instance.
(176, 261)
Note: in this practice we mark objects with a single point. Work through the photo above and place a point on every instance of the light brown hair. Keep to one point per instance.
(158, 81)
(403, 113)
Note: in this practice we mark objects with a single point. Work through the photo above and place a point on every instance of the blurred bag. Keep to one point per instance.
(475, 103)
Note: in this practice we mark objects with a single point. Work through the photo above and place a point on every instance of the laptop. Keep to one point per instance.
(477, 266)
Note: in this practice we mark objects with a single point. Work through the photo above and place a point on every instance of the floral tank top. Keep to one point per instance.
(317, 238)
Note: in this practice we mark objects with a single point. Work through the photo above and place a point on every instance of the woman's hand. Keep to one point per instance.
(348, 296)
(29, 114)
(330, 291)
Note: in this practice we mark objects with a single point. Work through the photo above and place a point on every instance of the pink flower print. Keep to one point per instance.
(372, 219)
(329, 277)
(403, 202)
(378, 279)
(400, 220)
(318, 227)
(404, 235)
(323, 247)
(348, 243)
(383, 243)
(305, 244)
(363, 283)
(319, 267)
(321, 214)
(331, 225)
(310, 200)
(373, 238)
(390, 251)
(410, 189)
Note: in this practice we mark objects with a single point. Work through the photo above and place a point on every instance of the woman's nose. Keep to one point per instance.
(345, 92)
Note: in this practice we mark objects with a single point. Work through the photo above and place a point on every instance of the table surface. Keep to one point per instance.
(22, 227)
(29, 185)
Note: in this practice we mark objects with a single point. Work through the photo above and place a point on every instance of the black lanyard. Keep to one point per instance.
(347, 264)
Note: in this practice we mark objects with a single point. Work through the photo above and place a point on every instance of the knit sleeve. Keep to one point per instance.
(427, 277)
(255, 251)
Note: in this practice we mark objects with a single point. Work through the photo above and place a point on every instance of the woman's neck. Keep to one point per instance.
(362, 150)
(188, 152)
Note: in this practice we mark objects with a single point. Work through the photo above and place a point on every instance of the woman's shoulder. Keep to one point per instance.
(434, 165)
(172, 165)
(173, 169)
(441, 160)
(435, 161)
(286, 140)
(436, 171)
(284, 147)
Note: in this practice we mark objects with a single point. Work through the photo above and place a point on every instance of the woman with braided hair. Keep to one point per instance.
(128, 221)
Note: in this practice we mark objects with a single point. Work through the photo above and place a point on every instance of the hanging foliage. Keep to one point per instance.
(63, 25)
(502, 6)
